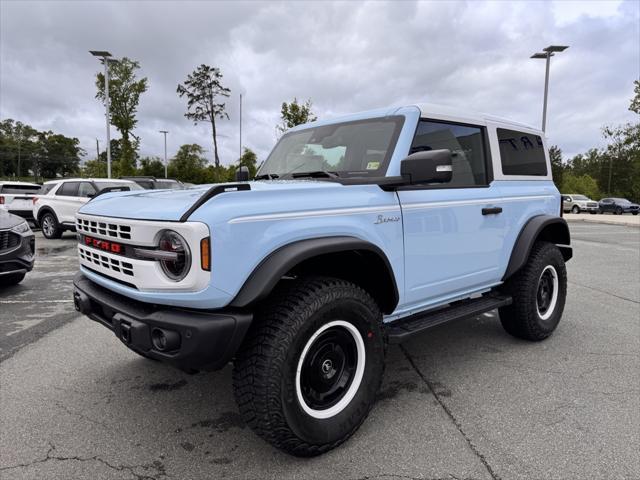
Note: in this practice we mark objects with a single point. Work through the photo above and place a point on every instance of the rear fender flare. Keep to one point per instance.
(542, 227)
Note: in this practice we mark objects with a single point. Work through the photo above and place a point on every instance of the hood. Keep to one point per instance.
(170, 205)
(8, 220)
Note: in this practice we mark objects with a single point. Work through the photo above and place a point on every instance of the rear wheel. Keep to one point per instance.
(619, 211)
(539, 291)
(50, 226)
(11, 279)
(309, 370)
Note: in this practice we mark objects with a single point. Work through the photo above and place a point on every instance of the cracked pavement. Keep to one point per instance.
(463, 401)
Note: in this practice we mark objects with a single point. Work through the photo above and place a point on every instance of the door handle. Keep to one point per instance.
(491, 210)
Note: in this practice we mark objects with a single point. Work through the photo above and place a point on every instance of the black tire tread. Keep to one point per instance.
(520, 319)
(258, 366)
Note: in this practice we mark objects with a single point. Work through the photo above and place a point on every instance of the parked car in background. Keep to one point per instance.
(153, 183)
(56, 205)
(579, 203)
(618, 206)
(17, 248)
(17, 198)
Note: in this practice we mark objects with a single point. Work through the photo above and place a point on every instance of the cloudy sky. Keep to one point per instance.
(346, 57)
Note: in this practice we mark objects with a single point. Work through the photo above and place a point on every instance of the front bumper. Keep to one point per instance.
(205, 340)
(19, 258)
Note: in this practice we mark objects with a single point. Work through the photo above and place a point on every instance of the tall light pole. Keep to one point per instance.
(105, 60)
(240, 157)
(548, 53)
(164, 132)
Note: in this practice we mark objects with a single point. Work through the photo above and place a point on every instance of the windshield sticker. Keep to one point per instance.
(373, 165)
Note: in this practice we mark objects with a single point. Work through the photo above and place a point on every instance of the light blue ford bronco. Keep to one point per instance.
(357, 232)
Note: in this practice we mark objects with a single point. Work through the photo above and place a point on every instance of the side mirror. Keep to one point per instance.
(431, 166)
(242, 174)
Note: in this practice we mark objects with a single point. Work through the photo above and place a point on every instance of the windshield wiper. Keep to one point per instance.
(316, 173)
(267, 176)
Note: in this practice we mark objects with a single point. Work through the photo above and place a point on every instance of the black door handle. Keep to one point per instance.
(491, 210)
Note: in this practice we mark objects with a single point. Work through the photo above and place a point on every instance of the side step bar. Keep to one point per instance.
(403, 329)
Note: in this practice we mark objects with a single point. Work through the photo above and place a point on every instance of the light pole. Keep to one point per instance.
(105, 59)
(548, 53)
(164, 132)
(240, 162)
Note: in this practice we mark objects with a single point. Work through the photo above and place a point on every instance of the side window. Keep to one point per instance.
(86, 190)
(46, 188)
(68, 189)
(521, 153)
(467, 147)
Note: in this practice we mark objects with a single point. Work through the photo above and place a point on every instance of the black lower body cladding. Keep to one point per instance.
(187, 339)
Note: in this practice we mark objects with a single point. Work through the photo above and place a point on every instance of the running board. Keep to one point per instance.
(403, 329)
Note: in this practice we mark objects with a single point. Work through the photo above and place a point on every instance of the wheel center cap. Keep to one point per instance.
(327, 367)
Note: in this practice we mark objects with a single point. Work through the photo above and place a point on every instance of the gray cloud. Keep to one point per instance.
(345, 56)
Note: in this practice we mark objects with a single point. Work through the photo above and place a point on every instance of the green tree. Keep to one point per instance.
(249, 159)
(151, 166)
(584, 184)
(125, 90)
(204, 90)
(95, 168)
(557, 167)
(189, 164)
(294, 113)
(635, 101)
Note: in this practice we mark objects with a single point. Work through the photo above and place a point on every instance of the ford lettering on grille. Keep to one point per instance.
(105, 245)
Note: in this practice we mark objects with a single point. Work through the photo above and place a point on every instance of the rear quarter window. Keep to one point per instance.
(521, 153)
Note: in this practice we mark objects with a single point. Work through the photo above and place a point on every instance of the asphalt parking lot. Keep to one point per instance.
(464, 401)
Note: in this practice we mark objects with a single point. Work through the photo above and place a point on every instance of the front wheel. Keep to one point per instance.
(308, 372)
(575, 209)
(50, 226)
(539, 291)
(635, 213)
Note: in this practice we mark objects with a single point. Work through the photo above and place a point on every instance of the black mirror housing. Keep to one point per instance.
(431, 166)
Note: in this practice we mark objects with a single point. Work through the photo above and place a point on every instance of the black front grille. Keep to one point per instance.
(8, 240)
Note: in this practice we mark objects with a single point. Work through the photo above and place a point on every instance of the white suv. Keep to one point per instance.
(17, 197)
(56, 205)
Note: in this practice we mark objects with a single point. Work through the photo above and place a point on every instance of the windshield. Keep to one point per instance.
(580, 197)
(131, 185)
(621, 200)
(360, 148)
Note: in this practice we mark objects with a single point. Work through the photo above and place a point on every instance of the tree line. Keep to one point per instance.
(612, 171)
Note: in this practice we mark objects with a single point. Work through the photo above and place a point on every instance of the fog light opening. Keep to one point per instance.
(165, 340)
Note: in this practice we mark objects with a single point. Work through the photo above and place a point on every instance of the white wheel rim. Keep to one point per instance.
(357, 379)
(554, 295)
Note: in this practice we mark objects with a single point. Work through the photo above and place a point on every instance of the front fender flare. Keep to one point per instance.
(269, 272)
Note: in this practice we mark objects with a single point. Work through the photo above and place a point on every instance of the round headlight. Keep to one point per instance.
(177, 267)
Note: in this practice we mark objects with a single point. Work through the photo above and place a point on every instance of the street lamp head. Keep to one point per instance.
(163, 131)
(540, 55)
(556, 48)
(100, 53)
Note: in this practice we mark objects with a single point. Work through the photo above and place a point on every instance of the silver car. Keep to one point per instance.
(579, 203)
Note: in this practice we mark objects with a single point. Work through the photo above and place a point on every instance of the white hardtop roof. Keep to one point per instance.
(428, 110)
(119, 180)
(467, 116)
